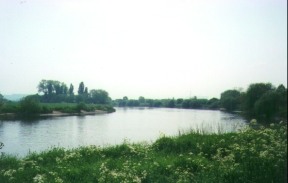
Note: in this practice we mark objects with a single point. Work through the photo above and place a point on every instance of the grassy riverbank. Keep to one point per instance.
(255, 154)
(48, 108)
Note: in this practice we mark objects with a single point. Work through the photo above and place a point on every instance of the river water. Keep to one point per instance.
(133, 124)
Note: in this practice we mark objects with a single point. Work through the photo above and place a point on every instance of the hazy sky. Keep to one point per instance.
(150, 48)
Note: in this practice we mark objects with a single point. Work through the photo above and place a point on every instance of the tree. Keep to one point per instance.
(124, 102)
(30, 105)
(179, 101)
(268, 105)
(186, 104)
(150, 102)
(49, 87)
(64, 88)
(213, 103)
(71, 89)
(255, 92)
(99, 96)
(81, 88)
(171, 103)
(230, 99)
(141, 99)
(86, 91)
(157, 103)
(1, 100)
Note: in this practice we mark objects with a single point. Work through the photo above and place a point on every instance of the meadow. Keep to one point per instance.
(253, 154)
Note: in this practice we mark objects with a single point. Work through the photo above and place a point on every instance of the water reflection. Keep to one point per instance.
(136, 124)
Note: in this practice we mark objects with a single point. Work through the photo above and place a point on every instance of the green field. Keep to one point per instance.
(255, 154)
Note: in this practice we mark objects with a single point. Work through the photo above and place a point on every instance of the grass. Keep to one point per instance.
(71, 108)
(254, 154)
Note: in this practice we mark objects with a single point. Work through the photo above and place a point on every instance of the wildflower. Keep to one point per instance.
(20, 169)
(39, 178)
(155, 163)
(58, 160)
(253, 122)
(58, 180)
(9, 173)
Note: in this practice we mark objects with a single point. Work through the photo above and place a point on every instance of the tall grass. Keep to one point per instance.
(254, 154)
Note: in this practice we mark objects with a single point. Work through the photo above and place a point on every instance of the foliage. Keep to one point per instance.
(70, 108)
(254, 93)
(1, 100)
(99, 96)
(10, 108)
(230, 100)
(268, 104)
(71, 90)
(171, 103)
(81, 88)
(254, 154)
(30, 105)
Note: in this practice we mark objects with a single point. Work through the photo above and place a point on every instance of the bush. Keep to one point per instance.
(30, 105)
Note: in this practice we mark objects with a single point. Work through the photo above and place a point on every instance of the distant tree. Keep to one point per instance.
(58, 88)
(171, 103)
(141, 99)
(157, 103)
(1, 100)
(99, 96)
(81, 88)
(86, 91)
(71, 89)
(124, 101)
(79, 98)
(186, 104)
(179, 101)
(48, 87)
(150, 102)
(43, 86)
(30, 105)
(133, 103)
(213, 103)
(64, 88)
(230, 99)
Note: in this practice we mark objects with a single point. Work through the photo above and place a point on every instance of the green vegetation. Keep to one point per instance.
(57, 92)
(254, 154)
(261, 100)
(30, 105)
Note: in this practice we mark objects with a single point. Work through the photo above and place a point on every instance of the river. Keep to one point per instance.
(133, 124)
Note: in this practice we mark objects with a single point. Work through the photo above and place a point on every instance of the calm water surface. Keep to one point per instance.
(133, 124)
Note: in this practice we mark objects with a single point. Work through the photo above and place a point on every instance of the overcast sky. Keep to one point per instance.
(151, 48)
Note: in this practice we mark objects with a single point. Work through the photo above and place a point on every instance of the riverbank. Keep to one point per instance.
(255, 154)
(54, 109)
(83, 112)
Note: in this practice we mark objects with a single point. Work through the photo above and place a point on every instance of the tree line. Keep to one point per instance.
(260, 99)
(56, 92)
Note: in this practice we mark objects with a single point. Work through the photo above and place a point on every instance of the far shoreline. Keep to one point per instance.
(56, 114)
